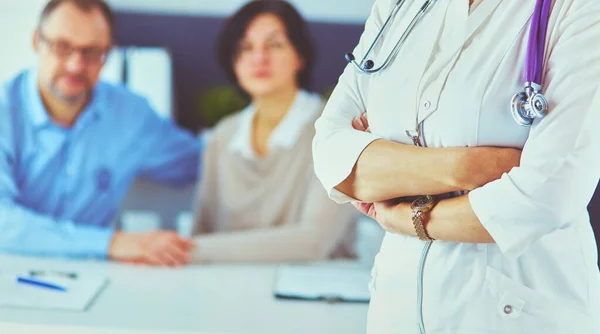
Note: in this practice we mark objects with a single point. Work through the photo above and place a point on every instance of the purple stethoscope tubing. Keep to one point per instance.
(537, 41)
(531, 103)
(526, 105)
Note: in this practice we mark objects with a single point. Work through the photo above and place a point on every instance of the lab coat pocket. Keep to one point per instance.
(525, 310)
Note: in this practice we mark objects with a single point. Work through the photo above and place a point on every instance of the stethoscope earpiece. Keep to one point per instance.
(526, 105)
(367, 66)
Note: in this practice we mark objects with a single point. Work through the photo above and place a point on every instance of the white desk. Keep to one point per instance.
(198, 299)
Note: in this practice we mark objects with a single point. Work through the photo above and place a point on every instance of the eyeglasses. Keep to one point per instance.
(62, 49)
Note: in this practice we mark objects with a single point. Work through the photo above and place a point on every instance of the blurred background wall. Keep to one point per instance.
(188, 30)
(21, 17)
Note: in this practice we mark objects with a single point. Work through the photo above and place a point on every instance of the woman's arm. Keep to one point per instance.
(383, 171)
(560, 164)
(321, 227)
(451, 220)
(387, 170)
(357, 165)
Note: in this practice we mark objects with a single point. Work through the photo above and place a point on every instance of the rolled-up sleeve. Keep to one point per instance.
(560, 163)
(337, 146)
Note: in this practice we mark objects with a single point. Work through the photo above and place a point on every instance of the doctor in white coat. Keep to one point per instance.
(517, 253)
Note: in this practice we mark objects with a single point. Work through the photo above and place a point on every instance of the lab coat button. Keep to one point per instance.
(508, 309)
(427, 105)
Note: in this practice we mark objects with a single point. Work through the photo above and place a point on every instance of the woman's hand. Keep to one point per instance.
(157, 248)
(361, 123)
(393, 216)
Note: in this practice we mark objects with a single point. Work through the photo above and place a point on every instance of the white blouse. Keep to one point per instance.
(304, 109)
(457, 73)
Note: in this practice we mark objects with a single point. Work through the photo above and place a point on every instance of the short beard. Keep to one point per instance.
(70, 100)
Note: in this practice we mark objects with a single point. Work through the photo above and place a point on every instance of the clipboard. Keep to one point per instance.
(321, 283)
(81, 290)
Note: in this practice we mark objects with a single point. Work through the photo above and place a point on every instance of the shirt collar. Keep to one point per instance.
(304, 109)
(39, 115)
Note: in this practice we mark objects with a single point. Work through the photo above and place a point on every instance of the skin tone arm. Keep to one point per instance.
(158, 248)
(452, 219)
(383, 171)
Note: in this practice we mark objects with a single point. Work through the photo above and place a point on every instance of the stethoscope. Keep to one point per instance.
(526, 105)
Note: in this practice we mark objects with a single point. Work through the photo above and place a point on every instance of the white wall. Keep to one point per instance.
(343, 11)
(17, 22)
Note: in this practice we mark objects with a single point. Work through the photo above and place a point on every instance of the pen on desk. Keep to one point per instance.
(42, 273)
(41, 284)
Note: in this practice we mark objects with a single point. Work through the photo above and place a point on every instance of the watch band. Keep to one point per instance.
(418, 219)
(420, 207)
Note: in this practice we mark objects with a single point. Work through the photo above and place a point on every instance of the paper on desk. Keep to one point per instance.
(323, 283)
(80, 292)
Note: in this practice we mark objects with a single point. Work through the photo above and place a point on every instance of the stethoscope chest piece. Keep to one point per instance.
(528, 105)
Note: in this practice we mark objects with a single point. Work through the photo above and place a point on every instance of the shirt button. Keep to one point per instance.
(508, 309)
(427, 105)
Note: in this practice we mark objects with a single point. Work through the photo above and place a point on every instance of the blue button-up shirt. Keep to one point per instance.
(60, 188)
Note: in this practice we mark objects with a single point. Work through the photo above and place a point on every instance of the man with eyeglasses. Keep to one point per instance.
(71, 146)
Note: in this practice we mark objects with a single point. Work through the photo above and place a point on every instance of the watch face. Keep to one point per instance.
(423, 202)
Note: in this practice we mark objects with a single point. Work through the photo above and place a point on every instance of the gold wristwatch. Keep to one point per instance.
(420, 207)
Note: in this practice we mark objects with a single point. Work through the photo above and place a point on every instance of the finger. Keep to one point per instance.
(164, 259)
(174, 238)
(360, 123)
(157, 257)
(162, 252)
(188, 244)
(147, 249)
(362, 207)
(152, 260)
(180, 256)
(371, 210)
(173, 250)
(357, 206)
(184, 243)
(368, 209)
(364, 120)
(171, 259)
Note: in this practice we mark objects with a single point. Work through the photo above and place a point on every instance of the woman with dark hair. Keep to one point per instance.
(259, 199)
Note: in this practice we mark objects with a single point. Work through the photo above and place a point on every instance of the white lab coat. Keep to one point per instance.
(459, 73)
